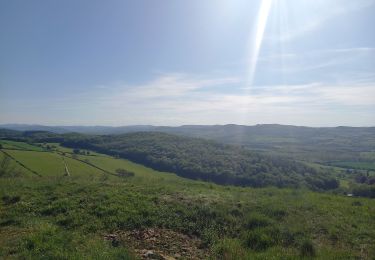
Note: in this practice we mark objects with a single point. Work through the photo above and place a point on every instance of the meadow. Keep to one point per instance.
(97, 214)
(370, 166)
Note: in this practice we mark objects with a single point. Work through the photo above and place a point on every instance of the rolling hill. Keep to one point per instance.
(196, 158)
(94, 213)
(314, 144)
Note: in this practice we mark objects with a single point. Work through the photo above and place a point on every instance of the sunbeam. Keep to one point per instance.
(255, 43)
(256, 38)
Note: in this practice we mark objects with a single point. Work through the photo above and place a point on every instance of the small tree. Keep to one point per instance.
(307, 249)
(124, 173)
(76, 151)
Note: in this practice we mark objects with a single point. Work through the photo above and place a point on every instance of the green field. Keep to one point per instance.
(70, 217)
(17, 169)
(51, 164)
(7, 144)
(355, 165)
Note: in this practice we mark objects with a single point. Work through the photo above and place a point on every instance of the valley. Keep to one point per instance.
(103, 214)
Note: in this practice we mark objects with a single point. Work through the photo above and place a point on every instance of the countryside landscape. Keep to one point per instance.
(158, 195)
(178, 130)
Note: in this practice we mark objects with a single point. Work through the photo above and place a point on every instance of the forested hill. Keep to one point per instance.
(318, 144)
(206, 160)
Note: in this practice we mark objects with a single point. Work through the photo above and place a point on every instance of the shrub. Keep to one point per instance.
(8, 200)
(307, 249)
(124, 173)
(357, 203)
(258, 240)
(229, 249)
(364, 191)
(257, 221)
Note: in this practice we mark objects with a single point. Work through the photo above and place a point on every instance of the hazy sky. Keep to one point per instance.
(168, 62)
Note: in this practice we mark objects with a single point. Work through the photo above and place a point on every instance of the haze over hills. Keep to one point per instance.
(318, 144)
(199, 130)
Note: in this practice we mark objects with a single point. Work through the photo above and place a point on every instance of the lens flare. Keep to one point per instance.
(255, 43)
(257, 38)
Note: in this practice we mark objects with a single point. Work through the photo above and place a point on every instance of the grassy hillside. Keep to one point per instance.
(8, 144)
(52, 164)
(106, 216)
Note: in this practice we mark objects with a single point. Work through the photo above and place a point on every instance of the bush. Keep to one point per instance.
(124, 173)
(257, 221)
(307, 249)
(8, 200)
(258, 240)
(364, 191)
(229, 249)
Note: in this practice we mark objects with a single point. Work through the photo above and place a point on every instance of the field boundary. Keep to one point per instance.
(88, 163)
(21, 164)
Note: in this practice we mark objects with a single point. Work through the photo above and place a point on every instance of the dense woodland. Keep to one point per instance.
(206, 160)
(202, 159)
(314, 144)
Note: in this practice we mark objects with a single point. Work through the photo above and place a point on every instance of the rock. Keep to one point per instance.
(149, 254)
(110, 236)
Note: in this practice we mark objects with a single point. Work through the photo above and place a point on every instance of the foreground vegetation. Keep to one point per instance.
(95, 213)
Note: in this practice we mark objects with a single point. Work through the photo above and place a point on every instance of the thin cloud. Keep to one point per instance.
(175, 99)
(346, 63)
(194, 104)
(303, 17)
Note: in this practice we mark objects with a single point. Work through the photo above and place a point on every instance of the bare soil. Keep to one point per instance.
(156, 243)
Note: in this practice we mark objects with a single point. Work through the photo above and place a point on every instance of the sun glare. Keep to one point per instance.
(256, 38)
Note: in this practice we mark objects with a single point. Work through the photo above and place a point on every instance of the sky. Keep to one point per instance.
(167, 62)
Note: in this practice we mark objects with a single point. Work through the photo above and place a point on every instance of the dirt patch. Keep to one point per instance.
(155, 243)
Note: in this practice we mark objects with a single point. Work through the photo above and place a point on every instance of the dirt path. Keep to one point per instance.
(67, 173)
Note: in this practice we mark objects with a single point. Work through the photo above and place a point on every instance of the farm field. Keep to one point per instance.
(51, 164)
(91, 214)
(355, 165)
(8, 144)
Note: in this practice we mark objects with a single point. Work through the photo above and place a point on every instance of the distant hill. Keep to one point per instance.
(79, 129)
(317, 144)
(323, 144)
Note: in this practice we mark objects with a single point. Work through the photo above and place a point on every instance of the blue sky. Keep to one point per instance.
(88, 62)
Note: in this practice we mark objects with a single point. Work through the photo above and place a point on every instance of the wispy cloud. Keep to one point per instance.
(302, 17)
(339, 65)
(174, 99)
(180, 99)
(175, 85)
